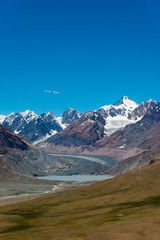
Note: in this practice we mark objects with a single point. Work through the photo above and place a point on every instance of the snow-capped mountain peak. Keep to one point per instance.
(69, 116)
(121, 108)
(31, 126)
(127, 102)
(117, 115)
(151, 101)
(106, 119)
(35, 127)
(49, 114)
(28, 114)
(48, 117)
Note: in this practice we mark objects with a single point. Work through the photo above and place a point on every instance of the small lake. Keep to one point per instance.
(78, 178)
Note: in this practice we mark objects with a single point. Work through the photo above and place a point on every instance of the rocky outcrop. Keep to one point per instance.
(9, 140)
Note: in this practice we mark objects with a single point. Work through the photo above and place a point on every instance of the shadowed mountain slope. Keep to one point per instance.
(18, 157)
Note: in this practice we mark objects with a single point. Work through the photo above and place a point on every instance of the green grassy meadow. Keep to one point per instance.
(125, 207)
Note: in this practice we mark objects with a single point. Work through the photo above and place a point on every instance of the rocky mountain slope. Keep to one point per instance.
(144, 135)
(20, 161)
(138, 161)
(85, 131)
(18, 157)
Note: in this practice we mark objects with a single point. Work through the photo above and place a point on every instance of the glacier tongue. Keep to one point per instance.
(114, 124)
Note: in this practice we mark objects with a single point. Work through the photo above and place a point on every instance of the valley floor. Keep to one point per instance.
(11, 193)
(126, 207)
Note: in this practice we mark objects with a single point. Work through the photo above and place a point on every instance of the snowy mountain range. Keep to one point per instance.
(116, 116)
(77, 128)
(122, 113)
(94, 126)
(36, 128)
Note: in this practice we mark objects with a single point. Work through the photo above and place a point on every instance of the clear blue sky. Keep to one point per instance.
(91, 52)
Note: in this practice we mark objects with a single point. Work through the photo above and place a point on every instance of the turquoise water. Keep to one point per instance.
(78, 178)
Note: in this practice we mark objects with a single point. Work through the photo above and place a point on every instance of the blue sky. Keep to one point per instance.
(87, 53)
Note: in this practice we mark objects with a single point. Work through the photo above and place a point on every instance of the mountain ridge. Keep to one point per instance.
(90, 129)
(36, 128)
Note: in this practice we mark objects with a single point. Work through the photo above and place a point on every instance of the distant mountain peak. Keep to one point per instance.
(69, 116)
(151, 100)
(70, 109)
(126, 101)
(49, 114)
(28, 113)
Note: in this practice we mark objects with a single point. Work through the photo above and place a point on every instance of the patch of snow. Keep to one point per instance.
(121, 111)
(52, 132)
(112, 124)
(59, 120)
(28, 115)
(10, 118)
(2, 118)
(24, 116)
(70, 109)
(79, 115)
(49, 113)
(123, 146)
(87, 121)
(17, 132)
(127, 104)
(44, 145)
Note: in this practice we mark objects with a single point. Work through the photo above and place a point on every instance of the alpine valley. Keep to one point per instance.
(125, 133)
(119, 139)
